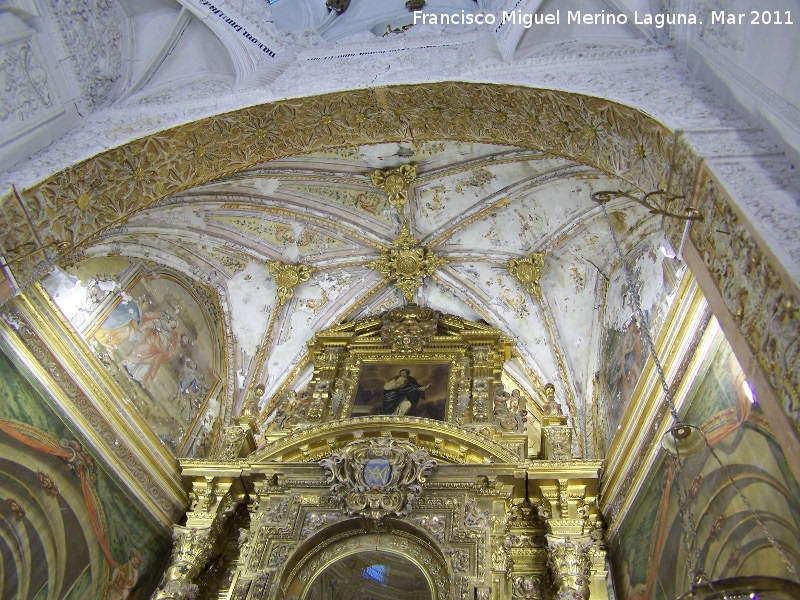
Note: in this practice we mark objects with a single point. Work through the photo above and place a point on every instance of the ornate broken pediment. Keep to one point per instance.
(378, 476)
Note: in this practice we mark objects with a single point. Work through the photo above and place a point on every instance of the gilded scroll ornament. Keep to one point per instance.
(288, 277)
(409, 328)
(407, 263)
(395, 183)
(528, 270)
(377, 477)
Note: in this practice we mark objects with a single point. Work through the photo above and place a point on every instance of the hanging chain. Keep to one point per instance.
(790, 566)
(687, 520)
(686, 514)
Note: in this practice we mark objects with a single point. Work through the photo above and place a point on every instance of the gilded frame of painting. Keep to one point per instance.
(357, 359)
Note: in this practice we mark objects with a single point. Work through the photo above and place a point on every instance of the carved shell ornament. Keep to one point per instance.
(377, 477)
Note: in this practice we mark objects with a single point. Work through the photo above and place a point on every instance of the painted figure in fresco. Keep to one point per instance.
(125, 577)
(632, 359)
(160, 345)
(401, 394)
(121, 325)
(190, 390)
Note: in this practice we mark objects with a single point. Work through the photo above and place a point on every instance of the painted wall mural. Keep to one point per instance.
(648, 553)
(157, 335)
(154, 335)
(67, 528)
(624, 350)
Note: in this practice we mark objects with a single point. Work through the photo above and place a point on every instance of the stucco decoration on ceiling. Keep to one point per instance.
(88, 30)
(615, 139)
(29, 93)
(407, 263)
(364, 201)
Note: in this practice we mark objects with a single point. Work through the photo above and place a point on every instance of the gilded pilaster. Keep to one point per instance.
(502, 563)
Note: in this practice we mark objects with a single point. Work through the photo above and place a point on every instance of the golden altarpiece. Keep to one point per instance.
(404, 446)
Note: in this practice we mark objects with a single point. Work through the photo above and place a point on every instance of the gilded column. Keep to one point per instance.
(194, 544)
(570, 562)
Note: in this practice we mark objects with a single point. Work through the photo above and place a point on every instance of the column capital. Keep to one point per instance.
(570, 565)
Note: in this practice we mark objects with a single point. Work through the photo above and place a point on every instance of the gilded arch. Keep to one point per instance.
(355, 536)
(443, 441)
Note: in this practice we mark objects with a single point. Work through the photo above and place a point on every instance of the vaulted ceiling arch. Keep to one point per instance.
(69, 210)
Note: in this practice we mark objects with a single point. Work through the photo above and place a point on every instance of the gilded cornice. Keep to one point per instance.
(477, 447)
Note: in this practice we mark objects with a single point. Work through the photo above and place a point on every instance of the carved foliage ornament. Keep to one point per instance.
(528, 270)
(409, 329)
(288, 277)
(570, 565)
(128, 178)
(395, 182)
(377, 477)
(27, 87)
(407, 263)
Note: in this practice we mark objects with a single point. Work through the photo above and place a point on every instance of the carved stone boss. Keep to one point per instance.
(377, 477)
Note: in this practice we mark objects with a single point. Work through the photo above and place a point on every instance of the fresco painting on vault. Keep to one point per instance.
(155, 338)
(413, 390)
(648, 556)
(625, 353)
(624, 348)
(67, 530)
